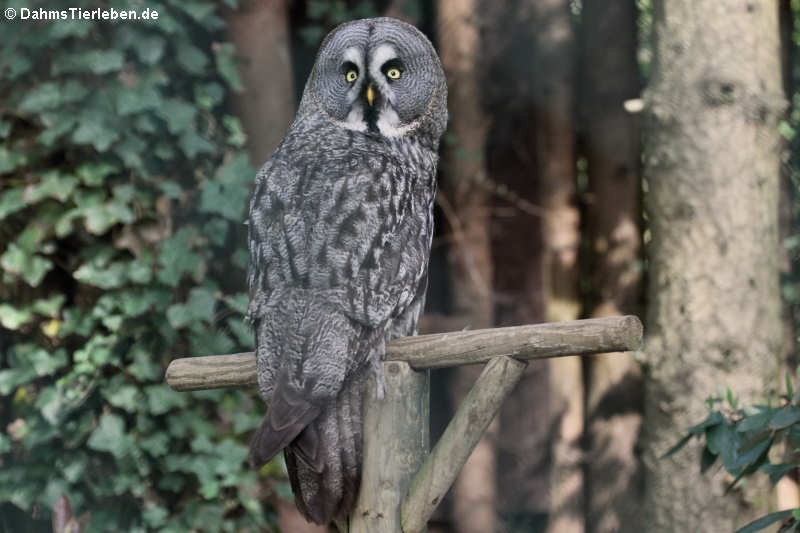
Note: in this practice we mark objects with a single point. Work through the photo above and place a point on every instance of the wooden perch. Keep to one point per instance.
(555, 339)
(463, 432)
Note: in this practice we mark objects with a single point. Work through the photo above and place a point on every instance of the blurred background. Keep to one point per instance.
(603, 157)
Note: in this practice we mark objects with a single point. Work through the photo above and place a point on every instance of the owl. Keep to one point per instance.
(340, 227)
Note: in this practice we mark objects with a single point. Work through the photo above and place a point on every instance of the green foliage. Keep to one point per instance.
(122, 194)
(741, 438)
(323, 15)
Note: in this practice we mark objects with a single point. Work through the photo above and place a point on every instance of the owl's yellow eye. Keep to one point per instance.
(351, 76)
(393, 73)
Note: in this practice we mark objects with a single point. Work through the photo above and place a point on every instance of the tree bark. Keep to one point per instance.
(712, 171)
(266, 106)
(553, 85)
(464, 204)
(612, 149)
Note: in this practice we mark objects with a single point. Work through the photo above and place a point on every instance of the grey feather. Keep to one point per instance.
(340, 228)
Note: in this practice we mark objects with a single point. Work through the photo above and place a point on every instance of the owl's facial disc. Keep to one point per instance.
(380, 76)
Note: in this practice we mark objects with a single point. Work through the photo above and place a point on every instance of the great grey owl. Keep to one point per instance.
(340, 228)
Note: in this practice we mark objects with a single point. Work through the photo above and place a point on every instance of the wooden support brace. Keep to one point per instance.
(462, 434)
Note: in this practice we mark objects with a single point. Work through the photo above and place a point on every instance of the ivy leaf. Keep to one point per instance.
(49, 306)
(176, 257)
(191, 58)
(13, 318)
(149, 48)
(31, 267)
(227, 194)
(110, 436)
(94, 174)
(11, 201)
(225, 56)
(192, 144)
(91, 61)
(178, 115)
(161, 399)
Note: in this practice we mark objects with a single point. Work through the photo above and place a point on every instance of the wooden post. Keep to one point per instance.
(395, 444)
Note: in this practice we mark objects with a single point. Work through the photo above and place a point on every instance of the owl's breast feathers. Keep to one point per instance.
(345, 214)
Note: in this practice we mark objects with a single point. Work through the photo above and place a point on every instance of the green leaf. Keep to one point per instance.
(192, 144)
(13, 377)
(713, 419)
(126, 397)
(191, 58)
(49, 306)
(785, 417)
(161, 399)
(110, 436)
(93, 129)
(209, 95)
(149, 49)
(178, 115)
(764, 521)
(103, 275)
(32, 268)
(176, 257)
(707, 460)
(155, 515)
(93, 61)
(199, 306)
(45, 363)
(225, 56)
(95, 174)
(10, 160)
(52, 185)
(681, 443)
(227, 194)
(237, 136)
(756, 422)
(776, 472)
(11, 201)
(137, 99)
(13, 318)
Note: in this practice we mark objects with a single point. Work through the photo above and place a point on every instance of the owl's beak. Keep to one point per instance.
(370, 95)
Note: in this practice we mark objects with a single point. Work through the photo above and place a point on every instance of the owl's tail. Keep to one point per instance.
(324, 461)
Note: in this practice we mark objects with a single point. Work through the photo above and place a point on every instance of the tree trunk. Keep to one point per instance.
(464, 204)
(712, 170)
(612, 150)
(553, 59)
(524, 437)
(266, 106)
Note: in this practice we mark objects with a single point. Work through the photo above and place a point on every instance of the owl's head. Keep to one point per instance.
(379, 76)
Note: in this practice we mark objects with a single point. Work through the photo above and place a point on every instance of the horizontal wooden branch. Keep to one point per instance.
(538, 341)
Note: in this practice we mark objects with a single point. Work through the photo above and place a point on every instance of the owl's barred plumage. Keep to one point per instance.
(340, 228)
